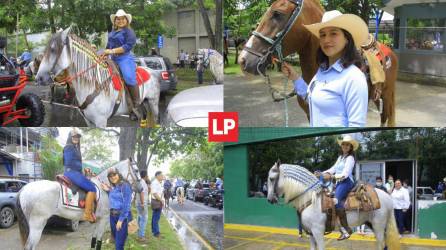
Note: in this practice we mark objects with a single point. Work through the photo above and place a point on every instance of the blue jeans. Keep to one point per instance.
(142, 219)
(200, 77)
(119, 235)
(128, 68)
(155, 220)
(80, 180)
(399, 216)
(342, 190)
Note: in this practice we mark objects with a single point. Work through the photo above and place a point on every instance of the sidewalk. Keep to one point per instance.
(257, 238)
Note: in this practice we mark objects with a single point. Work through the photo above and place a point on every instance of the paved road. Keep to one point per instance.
(416, 104)
(53, 238)
(62, 114)
(207, 221)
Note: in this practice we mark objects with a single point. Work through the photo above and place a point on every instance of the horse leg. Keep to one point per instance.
(154, 107)
(36, 226)
(378, 230)
(313, 244)
(52, 93)
(319, 238)
(99, 231)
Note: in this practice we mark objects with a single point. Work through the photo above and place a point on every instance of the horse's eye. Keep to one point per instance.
(276, 15)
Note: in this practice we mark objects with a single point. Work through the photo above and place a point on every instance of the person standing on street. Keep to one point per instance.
(157, 202)
(142, 207)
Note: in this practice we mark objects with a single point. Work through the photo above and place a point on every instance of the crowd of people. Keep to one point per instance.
(192, 61)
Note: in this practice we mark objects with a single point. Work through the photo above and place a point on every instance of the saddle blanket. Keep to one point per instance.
(75, 201)
(142, 76)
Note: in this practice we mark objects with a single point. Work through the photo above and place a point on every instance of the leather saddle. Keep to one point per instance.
(75, 190)
(362, 197)
(376, 60)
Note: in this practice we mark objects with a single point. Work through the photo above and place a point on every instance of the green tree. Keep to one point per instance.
(51, 158)
(97, 145)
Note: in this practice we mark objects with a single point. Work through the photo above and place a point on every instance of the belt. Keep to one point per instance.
(115, 212)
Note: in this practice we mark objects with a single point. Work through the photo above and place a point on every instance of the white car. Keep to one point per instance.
(190, 107)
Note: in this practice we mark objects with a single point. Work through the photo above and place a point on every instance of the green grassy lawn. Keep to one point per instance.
(187, 78)
(169, 238)
(232, 69)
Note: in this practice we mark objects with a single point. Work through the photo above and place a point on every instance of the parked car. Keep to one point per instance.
(214, 199)
(190, 107)
(425, 193)
(8, 197)
(164, 67)
(197, 191)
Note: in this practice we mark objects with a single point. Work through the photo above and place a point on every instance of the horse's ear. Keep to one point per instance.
(65, 33)
(278, 162)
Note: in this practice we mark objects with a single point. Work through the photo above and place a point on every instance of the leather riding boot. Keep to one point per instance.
(89, 207)
(134, 93)
(343, 220)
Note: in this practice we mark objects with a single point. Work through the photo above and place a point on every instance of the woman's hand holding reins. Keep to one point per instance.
(289, 72)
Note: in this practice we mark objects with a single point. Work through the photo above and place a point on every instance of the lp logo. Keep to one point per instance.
(223, 126)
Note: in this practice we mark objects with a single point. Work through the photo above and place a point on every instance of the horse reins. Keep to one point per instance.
(276, 42)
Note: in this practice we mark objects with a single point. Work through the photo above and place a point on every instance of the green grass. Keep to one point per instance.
(187, 78)
(232, 69)
(169, 238)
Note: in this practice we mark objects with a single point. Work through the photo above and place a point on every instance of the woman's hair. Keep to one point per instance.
(115, 27)
(70, 142)
(121, 178)
(350, 152)
(349, 56)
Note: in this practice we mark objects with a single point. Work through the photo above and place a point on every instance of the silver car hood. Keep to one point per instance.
(190, 107)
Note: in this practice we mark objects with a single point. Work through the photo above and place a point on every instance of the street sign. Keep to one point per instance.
(160, 41)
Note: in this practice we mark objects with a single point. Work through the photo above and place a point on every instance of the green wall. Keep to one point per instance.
(432, 219)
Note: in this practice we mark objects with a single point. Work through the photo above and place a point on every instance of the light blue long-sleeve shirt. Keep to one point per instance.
(337, 96)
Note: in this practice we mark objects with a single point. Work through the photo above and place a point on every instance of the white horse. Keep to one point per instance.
(302, 189)
(180, 195)
(39, 200)
(92, 81)
(215, 60)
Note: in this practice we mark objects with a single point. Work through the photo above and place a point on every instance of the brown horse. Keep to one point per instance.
(255, 56)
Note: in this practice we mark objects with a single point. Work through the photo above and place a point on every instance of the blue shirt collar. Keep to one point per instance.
(336, 66)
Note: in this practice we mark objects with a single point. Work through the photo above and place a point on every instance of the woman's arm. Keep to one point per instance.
(127, 195)
(301, 87)
(356, 99)
(332, 169)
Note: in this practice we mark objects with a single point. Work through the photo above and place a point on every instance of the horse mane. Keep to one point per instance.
(84, 56)
(296, 180)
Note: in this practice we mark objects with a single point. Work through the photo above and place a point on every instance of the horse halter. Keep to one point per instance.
(276, 42)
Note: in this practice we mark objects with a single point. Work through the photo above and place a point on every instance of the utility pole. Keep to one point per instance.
(17, 37)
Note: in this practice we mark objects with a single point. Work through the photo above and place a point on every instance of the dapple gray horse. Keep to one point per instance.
(92, 79)
(300, 187)
(39, 200)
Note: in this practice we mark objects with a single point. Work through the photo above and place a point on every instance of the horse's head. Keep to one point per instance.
(279, 33)
(56, 58)
(130, 173)
(274, 190)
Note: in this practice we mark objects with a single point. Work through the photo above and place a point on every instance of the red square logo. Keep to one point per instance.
(223, 127)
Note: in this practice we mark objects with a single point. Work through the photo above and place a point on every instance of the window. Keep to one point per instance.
(425, 34)
(153, 64)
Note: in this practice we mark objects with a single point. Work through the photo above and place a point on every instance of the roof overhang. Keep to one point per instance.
(390, 5)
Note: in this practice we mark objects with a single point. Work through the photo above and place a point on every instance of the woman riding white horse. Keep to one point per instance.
(342, 170)
(121, 40)
(72, 162)
(302, 190)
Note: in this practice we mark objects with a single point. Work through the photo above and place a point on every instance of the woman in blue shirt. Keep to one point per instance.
(121, 40)
(72, 162)
(120, 197)
(338, 93)
(342, 170)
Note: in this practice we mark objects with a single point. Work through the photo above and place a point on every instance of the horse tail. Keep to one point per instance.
(22, 220)
(392, 235)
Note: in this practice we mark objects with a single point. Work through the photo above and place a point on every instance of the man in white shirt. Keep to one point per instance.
(401, 203)
(157, 195)
(142, 207)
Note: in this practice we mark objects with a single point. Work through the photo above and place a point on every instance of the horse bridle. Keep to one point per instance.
(276, 42)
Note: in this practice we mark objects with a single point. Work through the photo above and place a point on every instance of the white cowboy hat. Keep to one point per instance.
(120, 12)
(75, 132)
(349, 139)
(349, 22)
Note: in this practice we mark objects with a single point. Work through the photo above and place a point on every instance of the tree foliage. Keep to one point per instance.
(98, 145)
(205, 163)
(51, 158)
